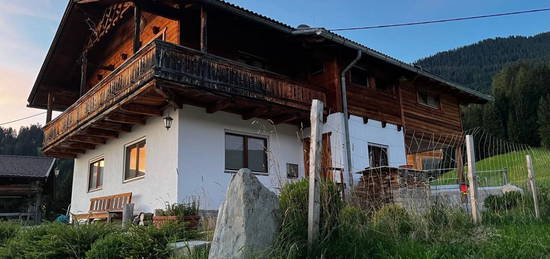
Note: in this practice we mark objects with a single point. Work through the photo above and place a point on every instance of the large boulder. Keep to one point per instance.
(248, 219)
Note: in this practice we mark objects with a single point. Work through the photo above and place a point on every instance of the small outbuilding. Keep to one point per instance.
(25, 181)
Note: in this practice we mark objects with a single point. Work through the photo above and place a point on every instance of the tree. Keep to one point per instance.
(544, 120)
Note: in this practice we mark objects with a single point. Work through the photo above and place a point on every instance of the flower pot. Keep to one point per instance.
(158, 221)
(191, 222)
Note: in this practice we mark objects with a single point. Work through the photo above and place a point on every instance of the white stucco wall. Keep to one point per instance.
(362, 134)
(202, 153)
(159, 185)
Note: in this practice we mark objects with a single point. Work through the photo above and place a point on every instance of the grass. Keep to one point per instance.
(513, 162)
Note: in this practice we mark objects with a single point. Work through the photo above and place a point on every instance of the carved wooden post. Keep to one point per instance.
(314, 205)
(83, 70)
(50, 107)
(137, 27)
(204, 37)
(472, 179)
(532, 184)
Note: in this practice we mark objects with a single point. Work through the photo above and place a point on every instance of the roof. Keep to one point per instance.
(73, 21)
(26, 166)
(345, 42)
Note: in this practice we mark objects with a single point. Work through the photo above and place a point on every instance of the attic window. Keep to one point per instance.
(359, 76)
(429, 99)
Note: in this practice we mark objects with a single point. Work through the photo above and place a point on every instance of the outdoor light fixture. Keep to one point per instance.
(168, 122)
(56, 172)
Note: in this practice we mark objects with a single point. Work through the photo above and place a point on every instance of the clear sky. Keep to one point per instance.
(27, 29)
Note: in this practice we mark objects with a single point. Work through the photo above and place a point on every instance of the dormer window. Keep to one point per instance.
(428, 98)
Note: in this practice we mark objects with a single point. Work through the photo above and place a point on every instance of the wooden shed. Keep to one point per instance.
(24, 183)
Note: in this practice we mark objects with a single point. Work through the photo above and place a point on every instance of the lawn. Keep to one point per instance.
(490, 170)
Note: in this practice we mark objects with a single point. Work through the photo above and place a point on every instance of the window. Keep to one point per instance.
(245, 152)
(95, 180)
(359, 76)
(378, 155)
(136, 155)
(431, 163)
(428, 99)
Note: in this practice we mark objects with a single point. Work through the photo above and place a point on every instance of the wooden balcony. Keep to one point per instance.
(162, 75)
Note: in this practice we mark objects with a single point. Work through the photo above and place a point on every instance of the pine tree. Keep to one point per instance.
(544, 121)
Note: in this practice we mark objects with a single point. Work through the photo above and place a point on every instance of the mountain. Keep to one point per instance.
(475, 65)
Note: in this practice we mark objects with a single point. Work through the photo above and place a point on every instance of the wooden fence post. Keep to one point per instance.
(314, 205)
(127, 214)
(472, 179)
(532, 184)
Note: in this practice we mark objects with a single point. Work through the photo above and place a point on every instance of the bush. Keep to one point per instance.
(114, 246)
(393, 220)
(292, 239)
(354, 239)
(55, 240)
(499, 203)
(7, 231)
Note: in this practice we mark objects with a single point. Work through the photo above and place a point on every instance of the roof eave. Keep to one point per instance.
(49, 55)
(483, 98)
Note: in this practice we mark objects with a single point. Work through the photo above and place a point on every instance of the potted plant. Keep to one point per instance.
(187, 213)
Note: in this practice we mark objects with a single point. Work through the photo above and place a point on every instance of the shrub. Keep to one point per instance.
(293, 200)
(114, 246)
(180, 210)
(7, 231)
(393, 220)
(55, 240)
(507, 201)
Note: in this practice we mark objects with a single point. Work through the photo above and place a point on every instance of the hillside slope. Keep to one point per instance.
(475, 65)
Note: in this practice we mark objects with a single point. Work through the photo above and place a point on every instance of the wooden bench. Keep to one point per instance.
(106, 207)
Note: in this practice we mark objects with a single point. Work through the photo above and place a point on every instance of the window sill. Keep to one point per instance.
(133, 179)
(95, 189)
(253, 172)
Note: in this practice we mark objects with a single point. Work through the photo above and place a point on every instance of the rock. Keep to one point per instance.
(187, 249)
(248, 219)
(511, 188)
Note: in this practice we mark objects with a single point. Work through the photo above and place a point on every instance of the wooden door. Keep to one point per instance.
(326, 157)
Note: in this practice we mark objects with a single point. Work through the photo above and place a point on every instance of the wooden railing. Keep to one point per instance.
(184, 66)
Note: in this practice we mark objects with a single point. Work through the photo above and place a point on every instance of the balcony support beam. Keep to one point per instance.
(83, 71)
(88, 139)
(218, 106)
(204, 35)
(126, 119)
(141, 110)
(50, 107)
(256, 113)
(103, 133)
(137, 26)
(286, 118)
(112, 126)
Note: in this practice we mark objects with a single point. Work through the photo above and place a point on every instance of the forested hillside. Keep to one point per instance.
(474, 66)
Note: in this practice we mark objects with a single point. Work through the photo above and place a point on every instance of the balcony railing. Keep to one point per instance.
(185, 67)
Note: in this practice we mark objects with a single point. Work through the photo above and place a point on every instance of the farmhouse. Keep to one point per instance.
(167, 99)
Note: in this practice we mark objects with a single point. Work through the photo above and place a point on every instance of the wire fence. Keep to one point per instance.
(435, 173)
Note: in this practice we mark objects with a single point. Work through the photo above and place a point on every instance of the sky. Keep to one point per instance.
(27, 29)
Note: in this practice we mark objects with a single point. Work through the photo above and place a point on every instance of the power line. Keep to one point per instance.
(440, 21)
(24, 118)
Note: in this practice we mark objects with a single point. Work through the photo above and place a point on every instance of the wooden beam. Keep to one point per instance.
(204, 36)
(71, 150)
(88, 139)
(137, 26)
(141, 109)
(50, 107)
(256, 113)
(365, 120)
(170, 97)
(127, 119)
(95, 132)
(218, 106)
(78, 145)
(286, 118)
(155, 7)
(112, 126)
(83, 71)
(384, 124)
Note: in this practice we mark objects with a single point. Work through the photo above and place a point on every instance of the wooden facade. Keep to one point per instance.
(143, 57)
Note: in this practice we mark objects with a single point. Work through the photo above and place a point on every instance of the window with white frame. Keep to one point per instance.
(95, 177)
(378, 155)
(136, 156)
